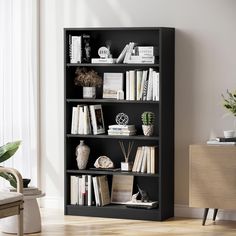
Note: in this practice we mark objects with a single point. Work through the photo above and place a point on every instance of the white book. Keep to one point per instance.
(138, 82)
(144, 161)
(129, 52)
(75, 49)
(81, 120)
(74, 120)
(96, 191)
(132, 85)
(122, 54)
(137, 156)
(145, 50)
(122, 127)
(103, 60)
(220, 143)
(150, 85)
(139, 165)
(149, 160)
(144, 78)
(90, 190)
(85, 121)
(74, 190)
(127, 86)
(153, 160)
(155, 86)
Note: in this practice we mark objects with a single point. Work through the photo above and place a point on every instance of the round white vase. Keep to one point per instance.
(82, 154)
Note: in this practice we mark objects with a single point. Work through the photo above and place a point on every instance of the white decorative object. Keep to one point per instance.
(82, 154)
(104, 162)
(103, 52)
(126, 166)
(120, 95)
(122, 119)
(148, 130)
(89, 92)
(229, 133)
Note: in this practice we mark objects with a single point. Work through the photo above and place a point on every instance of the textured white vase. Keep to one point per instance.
(148, 130)
(89, 92)
(82, 154)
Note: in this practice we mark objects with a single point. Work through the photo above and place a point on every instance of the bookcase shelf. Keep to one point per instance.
(103, 136)
(160, 186)
(110, 65)
(110, 172)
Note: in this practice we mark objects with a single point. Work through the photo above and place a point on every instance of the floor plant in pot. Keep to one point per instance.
(7, 151)
(89, 80)
(148, 119)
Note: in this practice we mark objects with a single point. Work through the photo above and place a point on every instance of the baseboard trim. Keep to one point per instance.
(189, 212)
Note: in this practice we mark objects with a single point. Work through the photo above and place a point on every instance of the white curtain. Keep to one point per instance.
(19, 83)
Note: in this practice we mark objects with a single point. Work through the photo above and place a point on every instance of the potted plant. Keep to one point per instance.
(229, 103)
(6, 151)
(89, 80)
(148, 119)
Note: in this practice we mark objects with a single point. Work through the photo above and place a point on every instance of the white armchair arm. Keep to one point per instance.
(17, 175)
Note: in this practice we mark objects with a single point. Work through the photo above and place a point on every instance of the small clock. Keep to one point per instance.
(103, 52)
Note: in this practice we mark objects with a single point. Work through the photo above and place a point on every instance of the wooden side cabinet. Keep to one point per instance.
(212, 177)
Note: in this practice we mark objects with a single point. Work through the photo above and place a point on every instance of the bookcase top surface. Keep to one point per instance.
(118, 28)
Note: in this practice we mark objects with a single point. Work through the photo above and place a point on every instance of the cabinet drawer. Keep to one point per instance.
(212, 180)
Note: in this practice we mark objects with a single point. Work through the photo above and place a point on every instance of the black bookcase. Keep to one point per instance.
(160, 186)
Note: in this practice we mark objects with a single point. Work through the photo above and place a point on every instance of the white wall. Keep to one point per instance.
(205, 68)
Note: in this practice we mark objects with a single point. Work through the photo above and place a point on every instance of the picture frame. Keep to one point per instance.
(122, 189)
(97, 119)
(112, 83)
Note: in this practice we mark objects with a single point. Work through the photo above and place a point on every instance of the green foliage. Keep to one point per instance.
(229, 102)
(7, 151)
(148, 118)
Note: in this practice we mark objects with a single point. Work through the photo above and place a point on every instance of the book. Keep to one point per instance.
(141, 60)
(150, 85)
(75, 49)
(74, 120)
(112, 82)
(136, 159)
(74, 189)
(153, 161)
(139, 75)
(144, 78)
(104, 190)
(127, 86)
(122, 127)
(143, 205)
(223, 139)
(122, 54)
(96, 191)
(144, 50)
(129, 52)
(120, 132)
(214, 142)
(155, 77)
(131, 85)
(103, 60)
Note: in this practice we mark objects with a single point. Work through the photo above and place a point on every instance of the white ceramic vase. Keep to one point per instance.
(82, 154)
(148, 130)
(89, 92)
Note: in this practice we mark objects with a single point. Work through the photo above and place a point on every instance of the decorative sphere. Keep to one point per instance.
(122, 119)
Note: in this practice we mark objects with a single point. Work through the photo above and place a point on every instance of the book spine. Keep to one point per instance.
(127, 86)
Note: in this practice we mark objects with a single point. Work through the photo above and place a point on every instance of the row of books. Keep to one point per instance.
(136, 55)
(87, 190)
(142, 85)
(222, 141)
(87, 119)
(144, 161)
(127, 130)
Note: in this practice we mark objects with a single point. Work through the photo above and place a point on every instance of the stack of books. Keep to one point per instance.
(142, 85)
(75, 49)
(132, 54)
(127, 130)
(144, 161)
(222, 141)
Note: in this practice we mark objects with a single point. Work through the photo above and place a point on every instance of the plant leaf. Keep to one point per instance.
(8, 150)
(11, 178)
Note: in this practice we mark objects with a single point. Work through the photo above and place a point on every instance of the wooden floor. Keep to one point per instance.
(54, 223)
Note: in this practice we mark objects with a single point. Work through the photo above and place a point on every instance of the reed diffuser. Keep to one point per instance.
(126, 166)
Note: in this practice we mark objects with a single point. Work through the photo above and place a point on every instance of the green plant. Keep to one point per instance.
(229, 102)
(148, 118)
(87, 78)
(6, 151)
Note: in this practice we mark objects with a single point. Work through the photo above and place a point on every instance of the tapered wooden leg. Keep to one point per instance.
(20, 224)
(215, 213)
(205, 216)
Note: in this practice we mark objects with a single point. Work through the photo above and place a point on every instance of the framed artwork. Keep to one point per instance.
(122, 189)
(97, 119)
(112, 83)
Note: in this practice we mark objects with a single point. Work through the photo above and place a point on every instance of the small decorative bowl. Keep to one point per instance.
(26, 182)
